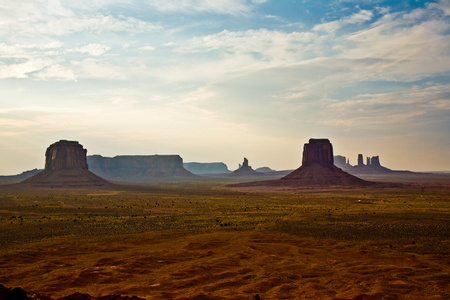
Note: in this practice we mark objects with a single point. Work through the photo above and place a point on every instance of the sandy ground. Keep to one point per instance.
(229, 264)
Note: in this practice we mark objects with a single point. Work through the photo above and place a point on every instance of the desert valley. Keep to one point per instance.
(317, 232)
(228, 149)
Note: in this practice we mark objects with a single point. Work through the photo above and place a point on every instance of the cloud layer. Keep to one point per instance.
(226, 72)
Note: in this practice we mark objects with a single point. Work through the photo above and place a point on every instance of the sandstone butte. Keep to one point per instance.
(66, 167)
(317, 170)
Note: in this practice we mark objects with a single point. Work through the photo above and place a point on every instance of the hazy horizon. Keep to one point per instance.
(217, 81)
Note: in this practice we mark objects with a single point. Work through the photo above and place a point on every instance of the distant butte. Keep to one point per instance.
(245, 171)
(66, 167)
(317, 170)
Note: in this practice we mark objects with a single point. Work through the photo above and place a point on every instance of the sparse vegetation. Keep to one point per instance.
(355, 215)
(411, 220)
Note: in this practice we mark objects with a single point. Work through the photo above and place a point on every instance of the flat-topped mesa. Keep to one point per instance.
(65, 155)
(318, 151)
(138, 168)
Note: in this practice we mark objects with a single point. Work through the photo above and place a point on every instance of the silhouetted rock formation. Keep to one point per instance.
(245, 163)
(360, 160)
(65, 167)
(317, 170)
(245, 171)
(340, 161)
(139, 168)
(375, 161)
(318, 151)
(372, 166)
(318, 167)
(206, 168)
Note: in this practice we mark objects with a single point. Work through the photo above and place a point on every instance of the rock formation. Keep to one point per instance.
(318, 151)
(372, 166)
(65, 155)
(265, 170)
(139, 168)
(360, 160)
(206, 168)
(66, 167)
(317, 170)
(340, 160)
(375, 161)
(245, 163)
(245, 171)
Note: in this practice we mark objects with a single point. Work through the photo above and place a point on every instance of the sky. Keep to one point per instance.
(220, 80)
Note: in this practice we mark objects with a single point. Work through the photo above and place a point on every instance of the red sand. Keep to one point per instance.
(230, 265)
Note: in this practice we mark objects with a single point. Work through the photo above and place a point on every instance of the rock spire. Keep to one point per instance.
(245, 171)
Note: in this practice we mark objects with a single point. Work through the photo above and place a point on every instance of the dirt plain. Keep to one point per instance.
(200, 240)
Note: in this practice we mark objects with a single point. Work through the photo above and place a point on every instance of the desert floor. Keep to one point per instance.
(204, 241)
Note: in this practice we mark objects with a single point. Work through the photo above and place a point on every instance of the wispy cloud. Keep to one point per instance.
(94, 49)
(442, 5)
(331, 27)
(23, 70)
(232, 7)
(52, 18)
(56, 72)
(399, 109)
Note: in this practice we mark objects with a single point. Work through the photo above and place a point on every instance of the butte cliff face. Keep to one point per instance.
(318, 151)
(66, 167)
(65, 155)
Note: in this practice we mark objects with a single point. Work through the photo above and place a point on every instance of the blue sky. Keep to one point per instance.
(220, 80)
